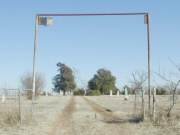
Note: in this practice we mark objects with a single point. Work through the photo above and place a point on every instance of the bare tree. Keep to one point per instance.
(137, 81)
(26, 83)
(172, 85)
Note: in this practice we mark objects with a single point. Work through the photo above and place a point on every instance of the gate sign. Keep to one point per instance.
(46, 21)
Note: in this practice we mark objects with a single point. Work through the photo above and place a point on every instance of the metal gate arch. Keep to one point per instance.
(147, 22)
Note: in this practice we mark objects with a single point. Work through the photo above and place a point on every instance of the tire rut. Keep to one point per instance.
(105, 112)
(63, 125)
(112, 123)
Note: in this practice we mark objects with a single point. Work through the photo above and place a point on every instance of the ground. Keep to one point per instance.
(97, 115)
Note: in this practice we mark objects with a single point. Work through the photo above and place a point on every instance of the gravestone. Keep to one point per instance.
(46, 93)
(61, 93)
(126, 94)
(118, 93)
(3, 98)
(110, 92)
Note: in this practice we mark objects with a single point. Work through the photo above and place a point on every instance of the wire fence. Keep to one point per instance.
(15, 107)
(163, 105)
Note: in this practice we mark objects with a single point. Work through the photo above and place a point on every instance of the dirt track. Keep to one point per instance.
(63, 125)
(82, 116)
(89, 116)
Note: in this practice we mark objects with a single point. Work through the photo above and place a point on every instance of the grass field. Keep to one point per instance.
(96, 115)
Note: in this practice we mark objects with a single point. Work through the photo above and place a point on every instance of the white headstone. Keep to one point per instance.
(46, 93)
(3, 98)
(155, 90)
(126, 94)
(110, 92)
(60, 93)
(118, 93)
(68, 93)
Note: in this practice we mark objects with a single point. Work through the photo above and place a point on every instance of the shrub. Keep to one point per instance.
(94, 93)
(29, 94)
(161, 91)
(79, 92)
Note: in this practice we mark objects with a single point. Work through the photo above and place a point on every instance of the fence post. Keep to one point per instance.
(143, 105)
(154, 104)
(20, 120)
(135, 104)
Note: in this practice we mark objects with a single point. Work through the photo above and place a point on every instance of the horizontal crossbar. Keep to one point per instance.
(96, 14)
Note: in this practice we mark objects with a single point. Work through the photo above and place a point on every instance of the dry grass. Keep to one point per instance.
(101, 115)
(125, 109)
(10, 117)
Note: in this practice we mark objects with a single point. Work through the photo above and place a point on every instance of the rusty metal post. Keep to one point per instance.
(34, 62)
(147, 21)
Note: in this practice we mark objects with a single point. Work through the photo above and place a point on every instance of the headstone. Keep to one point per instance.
(85, 92)
(126, 94)
(68, 93)
(142, 92)
(118, 93)
(155, 90)
(46, 93)
(3, 98)
(110, 92)
(60, 92)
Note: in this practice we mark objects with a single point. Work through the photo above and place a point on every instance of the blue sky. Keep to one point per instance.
(87, 43)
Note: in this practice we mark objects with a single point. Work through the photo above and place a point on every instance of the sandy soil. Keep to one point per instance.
(102, 115)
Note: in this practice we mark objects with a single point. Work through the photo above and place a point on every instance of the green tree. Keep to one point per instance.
(64, 80)
(103, 81)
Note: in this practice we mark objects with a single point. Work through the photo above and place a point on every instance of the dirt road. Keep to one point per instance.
(82, 116)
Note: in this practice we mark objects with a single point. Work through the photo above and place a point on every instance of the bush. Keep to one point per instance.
(29, 94)
(161, 91)
(79, 92)
(94, 93)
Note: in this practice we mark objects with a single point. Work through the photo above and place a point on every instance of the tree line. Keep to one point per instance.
(102, 82)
